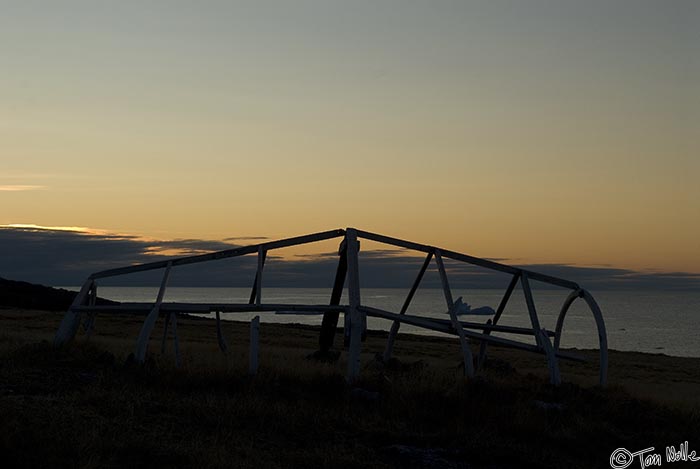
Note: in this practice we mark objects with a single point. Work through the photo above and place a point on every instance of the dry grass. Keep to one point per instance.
(83, 406)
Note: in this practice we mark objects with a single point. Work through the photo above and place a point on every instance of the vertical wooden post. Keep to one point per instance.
(254, 290)
(254, 336)
(542, 339)
(602, 336)
(395, 326)
(150, 322)
(357, 318)
(330, 318)
(456, 325)
(258, 277)
(71, 320)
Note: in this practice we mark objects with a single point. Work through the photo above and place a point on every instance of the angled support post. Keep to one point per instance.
(71, 320)
(395, 326)
(330, 318)
(497, 316)
(456, 325)
(357, 318)
(150, 322)
(541, 338)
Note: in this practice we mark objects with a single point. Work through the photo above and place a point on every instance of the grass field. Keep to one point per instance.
(87, 405)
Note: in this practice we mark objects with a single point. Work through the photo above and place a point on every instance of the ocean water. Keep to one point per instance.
(645, 321)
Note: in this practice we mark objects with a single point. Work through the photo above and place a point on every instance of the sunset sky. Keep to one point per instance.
(540, 132)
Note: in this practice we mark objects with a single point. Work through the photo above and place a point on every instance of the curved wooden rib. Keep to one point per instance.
(600, 325)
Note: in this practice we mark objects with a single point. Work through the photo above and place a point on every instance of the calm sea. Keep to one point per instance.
(645, 321)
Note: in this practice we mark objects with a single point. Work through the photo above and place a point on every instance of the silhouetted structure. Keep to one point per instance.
(354, 312)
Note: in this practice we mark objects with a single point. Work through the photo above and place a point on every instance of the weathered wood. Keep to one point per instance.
(542, 339)
(529, 300)
(466, 351)
(242, 251)
(554, 375)
(602, 336)
(150, 322)
(562, 314)
(254, 290)
(357, 318)
(497, 316)
(330, 318)
(203, 308)
(71, 320)
(355, 315)
(468, 259)
(254, 336)
(258, 276)
(395, 326)
(433, 325)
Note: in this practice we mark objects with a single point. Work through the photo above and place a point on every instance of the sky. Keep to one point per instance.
(560, 133)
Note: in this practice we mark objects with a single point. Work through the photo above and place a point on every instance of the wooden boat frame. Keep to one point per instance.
(355, 314)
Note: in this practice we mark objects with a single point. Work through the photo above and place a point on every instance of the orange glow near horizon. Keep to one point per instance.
(538, 133)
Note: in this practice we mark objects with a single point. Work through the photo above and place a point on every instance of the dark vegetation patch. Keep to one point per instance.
(80, 406)
(15, 294)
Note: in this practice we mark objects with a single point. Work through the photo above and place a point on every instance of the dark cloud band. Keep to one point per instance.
(60, 257)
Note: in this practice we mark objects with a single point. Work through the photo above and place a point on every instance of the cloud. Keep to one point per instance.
(65, 256)
(19, 187)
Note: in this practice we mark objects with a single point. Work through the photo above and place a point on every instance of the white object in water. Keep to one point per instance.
(465, 308)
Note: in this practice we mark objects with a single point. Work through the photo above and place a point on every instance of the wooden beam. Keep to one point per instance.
(468, 259)
(203, 308)
(150, 322)
(466, 351)
(258, 276)
(430, 324)
(357, 318)
(602, 336)
(330, 318)
(395, 326)
(71, 320)
(236, 252)
(497, 316)
(542, 339)
(254, 290)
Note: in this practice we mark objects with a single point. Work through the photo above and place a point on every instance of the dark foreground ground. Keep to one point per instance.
(87, 406)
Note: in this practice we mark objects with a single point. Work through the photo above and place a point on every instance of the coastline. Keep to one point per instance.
(664, 378)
